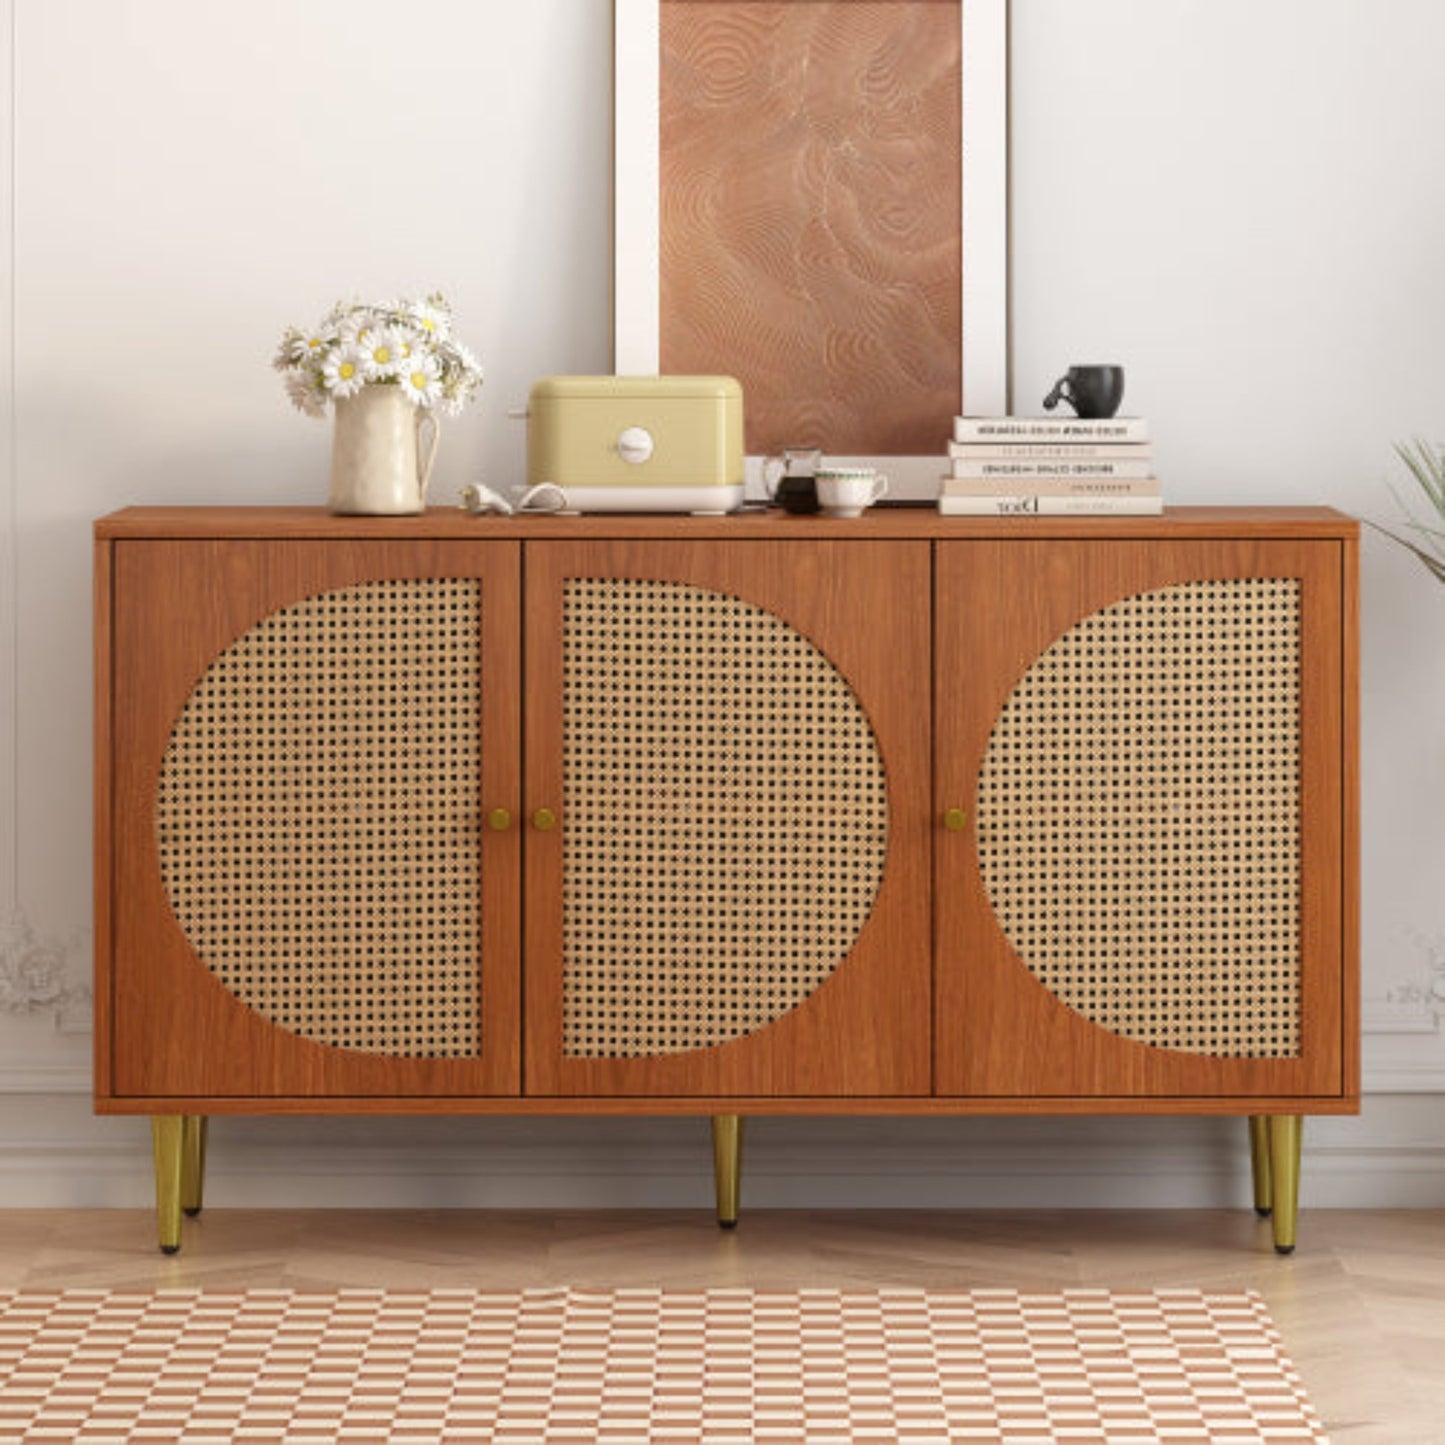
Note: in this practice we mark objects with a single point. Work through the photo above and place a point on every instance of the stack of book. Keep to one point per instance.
(1006, 466)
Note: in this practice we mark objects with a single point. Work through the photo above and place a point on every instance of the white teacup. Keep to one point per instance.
(849, 491)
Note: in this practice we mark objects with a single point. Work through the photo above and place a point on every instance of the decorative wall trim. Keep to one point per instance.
(1403, 1065)
(37, 977)
(1416, 1005)
(45, 1077)
(1404, 1026)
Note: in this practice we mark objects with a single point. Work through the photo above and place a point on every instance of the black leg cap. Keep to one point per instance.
(727, 1224)
(191, 1213)
(170, 1249)
(1284, 1249)
(1263, 1213)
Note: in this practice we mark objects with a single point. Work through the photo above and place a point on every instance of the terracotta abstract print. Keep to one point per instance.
(810, 215)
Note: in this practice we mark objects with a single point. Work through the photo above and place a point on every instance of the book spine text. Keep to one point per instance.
(1046, 506)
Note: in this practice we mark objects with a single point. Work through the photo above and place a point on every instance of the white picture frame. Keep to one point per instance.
(984, 222)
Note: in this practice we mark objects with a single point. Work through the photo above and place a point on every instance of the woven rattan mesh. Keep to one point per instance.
(319, 818)
(1138, 818)
(725, 817)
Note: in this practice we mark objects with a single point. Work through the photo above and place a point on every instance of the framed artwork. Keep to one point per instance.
(812, 196)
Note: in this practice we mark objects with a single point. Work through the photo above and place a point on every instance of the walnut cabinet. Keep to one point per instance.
(756, 814)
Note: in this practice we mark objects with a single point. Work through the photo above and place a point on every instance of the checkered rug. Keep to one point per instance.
(565, 1365)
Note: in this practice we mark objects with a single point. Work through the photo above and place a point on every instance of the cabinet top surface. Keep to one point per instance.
(452, 523)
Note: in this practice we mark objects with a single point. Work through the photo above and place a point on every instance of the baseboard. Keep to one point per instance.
(59, 1156)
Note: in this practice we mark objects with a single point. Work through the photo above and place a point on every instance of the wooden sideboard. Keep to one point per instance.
(726, 816)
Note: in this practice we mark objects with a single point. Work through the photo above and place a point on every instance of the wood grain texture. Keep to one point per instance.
(810, 229)
(187, 581)
(178, 1030)
(103, 617)
(1350, 819)
(879, 523)
(998, 1031)
(865, 1030)
(701, 1105)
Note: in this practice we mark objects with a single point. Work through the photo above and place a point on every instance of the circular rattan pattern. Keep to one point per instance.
(319, 818)
(725, 818)
(1138, 818)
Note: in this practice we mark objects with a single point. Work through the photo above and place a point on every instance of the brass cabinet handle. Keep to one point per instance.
(544, 820)
(499, 820)
(955, 820)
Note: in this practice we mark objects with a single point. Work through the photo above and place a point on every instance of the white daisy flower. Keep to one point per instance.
(381, 353)
(359, 325)
(433, 320)
(399, 341)
(304, 387)
(421, 379)
(343, 371)
(468, 363)
(409, 340)
(454, 396)
(283, 359)
(309, 346)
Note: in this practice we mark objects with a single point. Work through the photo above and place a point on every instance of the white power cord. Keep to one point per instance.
(544, 497)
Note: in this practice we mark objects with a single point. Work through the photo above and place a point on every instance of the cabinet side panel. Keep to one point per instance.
(103, 819)
(1350, 816)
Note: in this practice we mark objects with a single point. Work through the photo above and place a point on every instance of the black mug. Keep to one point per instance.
(1092, 391)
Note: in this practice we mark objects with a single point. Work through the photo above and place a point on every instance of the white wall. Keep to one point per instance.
(1240, 202)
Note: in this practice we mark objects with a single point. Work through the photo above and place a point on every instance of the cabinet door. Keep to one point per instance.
(305, 737)
(735, 739)
(1146, 899)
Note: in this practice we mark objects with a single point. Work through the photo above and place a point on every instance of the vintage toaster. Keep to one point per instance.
(638, 443)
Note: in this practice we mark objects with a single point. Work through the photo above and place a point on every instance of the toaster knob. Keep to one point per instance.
(635, 444)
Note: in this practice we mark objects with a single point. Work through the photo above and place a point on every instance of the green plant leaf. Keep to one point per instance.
(1426, 466)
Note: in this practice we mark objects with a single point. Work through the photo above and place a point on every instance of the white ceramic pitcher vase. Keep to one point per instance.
(379, 465)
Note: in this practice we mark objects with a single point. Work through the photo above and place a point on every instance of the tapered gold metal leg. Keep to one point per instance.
(1259, 1164)
(1285, 1133)
(167, 1131)
(727, 1165)
(193, 1163)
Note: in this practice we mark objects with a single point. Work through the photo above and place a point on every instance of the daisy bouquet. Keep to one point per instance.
(406, 344)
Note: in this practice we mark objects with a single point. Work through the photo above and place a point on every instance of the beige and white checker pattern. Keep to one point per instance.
(824, 1366)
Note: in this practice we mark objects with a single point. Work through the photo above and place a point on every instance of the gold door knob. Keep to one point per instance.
(499, 820)
(955, 820)
(544, 820)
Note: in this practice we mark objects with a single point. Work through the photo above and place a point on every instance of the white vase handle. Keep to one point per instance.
(423, 416)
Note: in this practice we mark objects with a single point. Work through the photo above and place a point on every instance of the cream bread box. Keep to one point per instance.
(638, 443)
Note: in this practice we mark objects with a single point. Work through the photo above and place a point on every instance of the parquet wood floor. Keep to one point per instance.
(1360, 1306)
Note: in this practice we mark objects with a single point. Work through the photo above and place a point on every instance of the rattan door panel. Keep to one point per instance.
(305, 737)
(736, 738)
(1148, 740)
